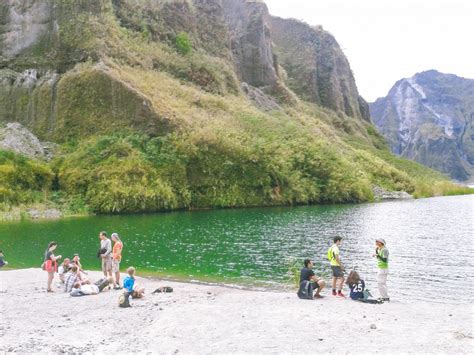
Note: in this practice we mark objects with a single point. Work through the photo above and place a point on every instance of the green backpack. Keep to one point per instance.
(330, 254)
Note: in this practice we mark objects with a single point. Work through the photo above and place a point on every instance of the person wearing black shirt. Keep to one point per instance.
(307, 275)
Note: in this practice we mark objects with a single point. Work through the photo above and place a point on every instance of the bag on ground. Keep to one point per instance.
(124, 300)
(306, 290)
(164, 289)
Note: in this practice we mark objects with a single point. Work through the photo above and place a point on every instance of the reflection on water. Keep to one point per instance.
(430, 243)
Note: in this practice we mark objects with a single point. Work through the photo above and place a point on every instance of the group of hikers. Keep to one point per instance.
(76, 281)
(311, 285)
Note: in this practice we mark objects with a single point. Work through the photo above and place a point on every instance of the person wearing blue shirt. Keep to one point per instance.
(129, 284)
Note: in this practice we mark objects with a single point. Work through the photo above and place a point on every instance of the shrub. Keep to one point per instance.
(182, 43)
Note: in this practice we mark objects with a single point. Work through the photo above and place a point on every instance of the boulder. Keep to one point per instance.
(20, 140)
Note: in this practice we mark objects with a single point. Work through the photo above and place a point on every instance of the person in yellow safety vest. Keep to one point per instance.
(381, 253)
(337, 267)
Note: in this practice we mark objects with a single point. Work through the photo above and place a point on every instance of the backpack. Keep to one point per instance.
(306, 290)
(330, 254)
(164, 289)
(124, 300)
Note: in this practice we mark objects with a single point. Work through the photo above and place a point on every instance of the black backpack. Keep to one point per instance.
(306, 290)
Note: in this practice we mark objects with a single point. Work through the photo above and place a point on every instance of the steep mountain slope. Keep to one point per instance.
(317, 69)
(163, 104)
(429, 118)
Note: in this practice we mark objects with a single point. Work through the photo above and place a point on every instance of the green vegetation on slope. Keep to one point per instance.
(145, 126)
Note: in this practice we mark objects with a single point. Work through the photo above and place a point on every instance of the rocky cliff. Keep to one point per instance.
(317, 69)
(174, 104)
(429, 118)
(44, 43)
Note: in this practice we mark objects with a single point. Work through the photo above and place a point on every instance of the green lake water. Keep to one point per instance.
(430, 243)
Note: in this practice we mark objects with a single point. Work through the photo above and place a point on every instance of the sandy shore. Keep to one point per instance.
(212, 319)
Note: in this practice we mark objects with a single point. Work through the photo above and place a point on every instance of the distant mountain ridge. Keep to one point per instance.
(429, 118)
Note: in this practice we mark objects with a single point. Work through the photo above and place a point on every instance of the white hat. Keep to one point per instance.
(381, 240)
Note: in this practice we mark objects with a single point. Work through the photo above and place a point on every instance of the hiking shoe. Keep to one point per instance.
(340, 294)
(334, 293)
(318, 296)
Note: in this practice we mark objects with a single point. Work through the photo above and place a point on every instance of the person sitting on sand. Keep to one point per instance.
(310, 282)
(76, 260)
(63, 269)
(2, 260)
(336, 266)
(130, 286)
(71, 279)
(50, 264)
(358, 290)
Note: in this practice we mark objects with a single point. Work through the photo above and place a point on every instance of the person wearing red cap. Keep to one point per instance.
(381, 253)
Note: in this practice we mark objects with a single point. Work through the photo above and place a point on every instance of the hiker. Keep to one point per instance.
(337, 267)
(63, 269)
(105, 253)
(76, 260)
(92, 289)
(310, 282)
(71, 279)
(358, 290)
(130, 286)
(50, 263)
(2, 260)
(381, 253)
(116, 258)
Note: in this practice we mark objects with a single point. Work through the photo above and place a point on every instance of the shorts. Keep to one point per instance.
(337, 271)
(115, 265)
(50, 266)
(107, 264)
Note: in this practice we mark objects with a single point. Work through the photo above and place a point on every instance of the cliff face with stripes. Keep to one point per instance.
(429, 118)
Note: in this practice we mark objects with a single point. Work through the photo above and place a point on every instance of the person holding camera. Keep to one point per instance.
(105, 253)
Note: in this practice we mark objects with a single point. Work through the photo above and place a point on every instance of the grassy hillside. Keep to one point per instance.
(147, 126)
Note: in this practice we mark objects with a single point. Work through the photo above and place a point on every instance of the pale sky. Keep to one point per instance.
(386, 40)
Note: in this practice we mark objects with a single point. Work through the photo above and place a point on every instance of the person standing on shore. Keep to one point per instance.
(50, 264)
(105, 254)
(381, 253)
(337, 267)
(116, 258)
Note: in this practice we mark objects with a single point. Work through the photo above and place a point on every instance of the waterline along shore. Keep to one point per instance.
(214, 319)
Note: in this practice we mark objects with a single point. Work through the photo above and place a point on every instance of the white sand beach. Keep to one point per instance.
(214, 319)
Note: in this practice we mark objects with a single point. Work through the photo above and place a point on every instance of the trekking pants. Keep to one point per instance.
(382, 282)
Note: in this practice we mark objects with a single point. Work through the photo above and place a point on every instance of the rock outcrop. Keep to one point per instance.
(18, 139)
(381, 194)
(317, 69)
(429, 118)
